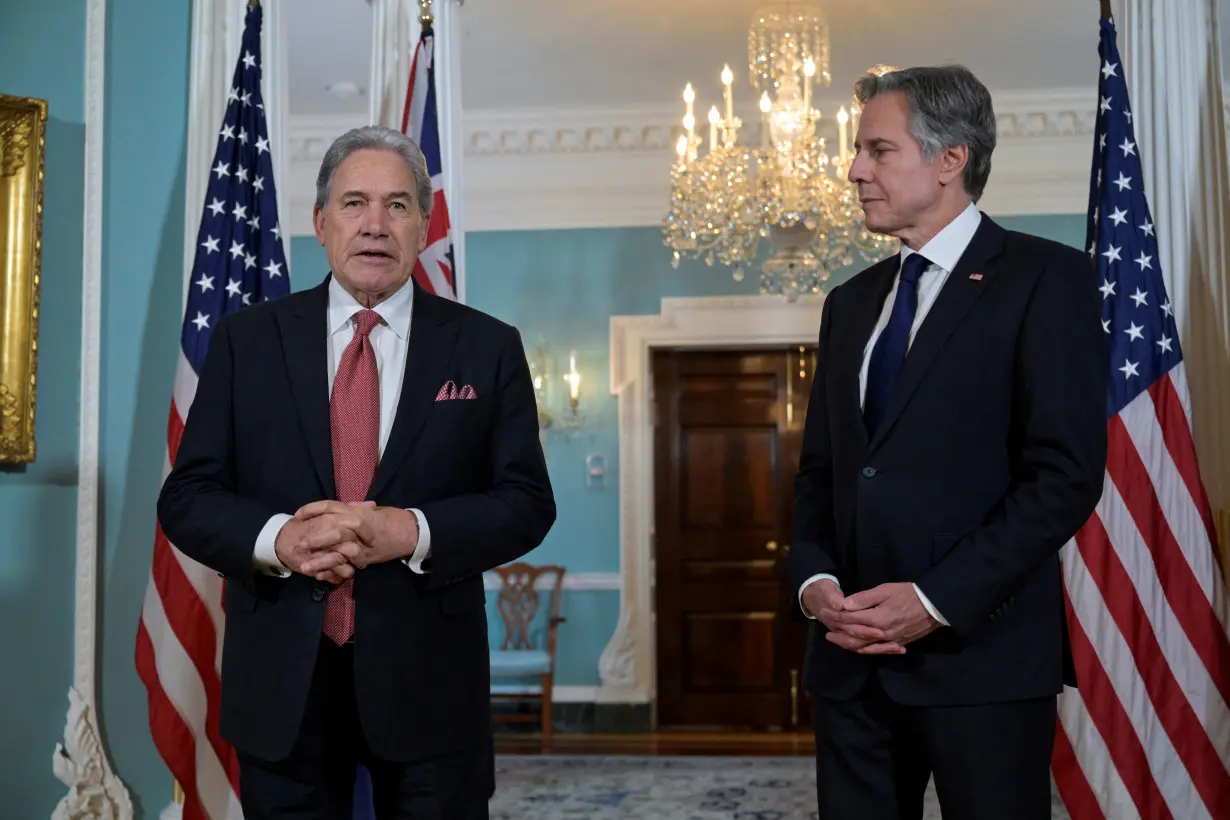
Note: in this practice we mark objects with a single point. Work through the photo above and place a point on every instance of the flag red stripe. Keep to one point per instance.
(1172, 419)
(1175, 713)
(175, 431)
(1179, 584)
(1113, 722)
(171, 734)
(1074, 788)
(191, 622)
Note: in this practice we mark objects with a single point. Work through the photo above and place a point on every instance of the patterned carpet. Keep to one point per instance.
(662, 788)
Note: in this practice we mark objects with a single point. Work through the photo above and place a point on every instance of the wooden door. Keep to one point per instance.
(730, 639)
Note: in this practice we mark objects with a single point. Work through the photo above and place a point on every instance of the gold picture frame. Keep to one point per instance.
(23, 138)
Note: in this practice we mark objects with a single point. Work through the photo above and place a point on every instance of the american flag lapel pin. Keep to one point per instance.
(977, 277)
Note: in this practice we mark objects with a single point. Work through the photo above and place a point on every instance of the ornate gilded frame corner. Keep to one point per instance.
(23, 139)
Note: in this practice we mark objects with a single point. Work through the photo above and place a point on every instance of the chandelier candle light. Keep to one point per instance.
(791, 189)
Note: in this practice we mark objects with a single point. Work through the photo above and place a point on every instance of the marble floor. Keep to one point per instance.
(695, 787)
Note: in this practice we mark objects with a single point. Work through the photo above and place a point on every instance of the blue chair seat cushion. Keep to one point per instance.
(514, 663)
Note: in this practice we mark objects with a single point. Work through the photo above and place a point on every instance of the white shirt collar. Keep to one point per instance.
(947, 246)
(395, 311)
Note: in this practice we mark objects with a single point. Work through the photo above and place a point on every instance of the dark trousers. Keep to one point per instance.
(316, 782)
(874, 758)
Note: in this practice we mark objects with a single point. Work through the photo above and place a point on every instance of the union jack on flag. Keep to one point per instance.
(1147, 732)
(240, 260)
(420, 121)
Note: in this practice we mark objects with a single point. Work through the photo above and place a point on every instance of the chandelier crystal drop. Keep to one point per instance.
(791, 187)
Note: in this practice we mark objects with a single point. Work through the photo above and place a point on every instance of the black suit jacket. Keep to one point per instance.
(257, 442)
(990, 456)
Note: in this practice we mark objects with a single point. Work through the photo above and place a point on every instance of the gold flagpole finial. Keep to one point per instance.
(425, 18)
(253, 3)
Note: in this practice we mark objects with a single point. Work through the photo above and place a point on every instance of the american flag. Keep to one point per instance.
(239, 260)
(435, 267)
(1147, 733)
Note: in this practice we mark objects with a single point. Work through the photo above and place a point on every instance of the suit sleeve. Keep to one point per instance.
(199, 509)
(1060, 403)
(814, 551)
(476, 532)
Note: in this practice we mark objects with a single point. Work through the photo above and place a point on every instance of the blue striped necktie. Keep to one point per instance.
(889, 350)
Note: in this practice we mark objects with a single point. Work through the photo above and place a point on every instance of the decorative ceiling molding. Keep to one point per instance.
(609, 167)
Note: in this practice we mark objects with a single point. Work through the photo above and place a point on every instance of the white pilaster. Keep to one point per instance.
(1173, 68)
(395, 30)
(80, 761)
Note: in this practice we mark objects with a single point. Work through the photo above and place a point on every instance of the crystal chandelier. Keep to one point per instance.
(790, 189)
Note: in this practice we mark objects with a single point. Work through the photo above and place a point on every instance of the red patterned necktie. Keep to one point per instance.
(354, 420)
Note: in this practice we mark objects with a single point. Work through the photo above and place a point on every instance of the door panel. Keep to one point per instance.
(730, 640)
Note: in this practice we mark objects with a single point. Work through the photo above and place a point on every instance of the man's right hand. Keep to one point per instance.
(299, 541)
(824, 600)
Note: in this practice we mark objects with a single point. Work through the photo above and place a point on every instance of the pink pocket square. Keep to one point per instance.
(450, 391)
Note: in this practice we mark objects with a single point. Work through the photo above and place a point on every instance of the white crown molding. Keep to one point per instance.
(533, 169)
(573, 581)
(80, 761)
(628, 667)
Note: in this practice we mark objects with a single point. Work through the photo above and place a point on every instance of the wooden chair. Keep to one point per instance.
(520, 656)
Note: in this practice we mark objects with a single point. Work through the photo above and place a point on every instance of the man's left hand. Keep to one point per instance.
(893, 608)
(384, 533)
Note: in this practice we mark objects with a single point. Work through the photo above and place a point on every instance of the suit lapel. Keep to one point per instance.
(954, 300)
(867, 311)
(429, 360)
(304, 349)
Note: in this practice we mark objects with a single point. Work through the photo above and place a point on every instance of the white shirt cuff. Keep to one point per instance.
(264, 553)
(422, 550)
(927, 605)
(820, 577)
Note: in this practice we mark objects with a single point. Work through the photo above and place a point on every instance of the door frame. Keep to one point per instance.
(627, 667)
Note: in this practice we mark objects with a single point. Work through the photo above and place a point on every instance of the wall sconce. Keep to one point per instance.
(557, 411)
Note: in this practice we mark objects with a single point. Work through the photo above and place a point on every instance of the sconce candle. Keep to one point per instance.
(573, 378)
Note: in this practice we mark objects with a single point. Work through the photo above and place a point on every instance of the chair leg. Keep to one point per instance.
(546, 711)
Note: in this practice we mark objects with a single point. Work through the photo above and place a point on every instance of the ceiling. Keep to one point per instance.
(519, 54)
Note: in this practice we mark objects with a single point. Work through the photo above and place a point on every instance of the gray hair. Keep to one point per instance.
(379, 138)
(950, 107)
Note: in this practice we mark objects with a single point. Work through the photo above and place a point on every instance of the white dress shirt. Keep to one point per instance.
(943, 251)
(390, 341)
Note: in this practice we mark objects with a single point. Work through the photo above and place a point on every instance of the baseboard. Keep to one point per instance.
(577, 716)
(559, 694)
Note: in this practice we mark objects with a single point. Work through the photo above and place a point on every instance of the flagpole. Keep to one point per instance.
(1106, 12)
(448, 33)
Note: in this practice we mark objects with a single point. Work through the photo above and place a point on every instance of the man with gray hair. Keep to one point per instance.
(955, 441)
(357, 456)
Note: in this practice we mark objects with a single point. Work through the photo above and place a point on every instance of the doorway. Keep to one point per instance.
(728, 427)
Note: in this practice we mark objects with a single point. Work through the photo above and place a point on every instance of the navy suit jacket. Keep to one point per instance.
(257, 442)
(990, 456)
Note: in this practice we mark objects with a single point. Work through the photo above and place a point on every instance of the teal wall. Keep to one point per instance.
(148, 47)
(42, 55)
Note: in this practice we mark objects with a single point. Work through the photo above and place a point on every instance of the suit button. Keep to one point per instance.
(869, 472)
(318, 594)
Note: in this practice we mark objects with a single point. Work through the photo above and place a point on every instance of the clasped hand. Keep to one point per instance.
(330, 540)
(877, 621)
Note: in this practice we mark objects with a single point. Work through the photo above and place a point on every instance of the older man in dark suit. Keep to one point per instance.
(357, 455)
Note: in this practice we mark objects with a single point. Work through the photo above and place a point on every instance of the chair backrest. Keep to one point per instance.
(518, 602)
